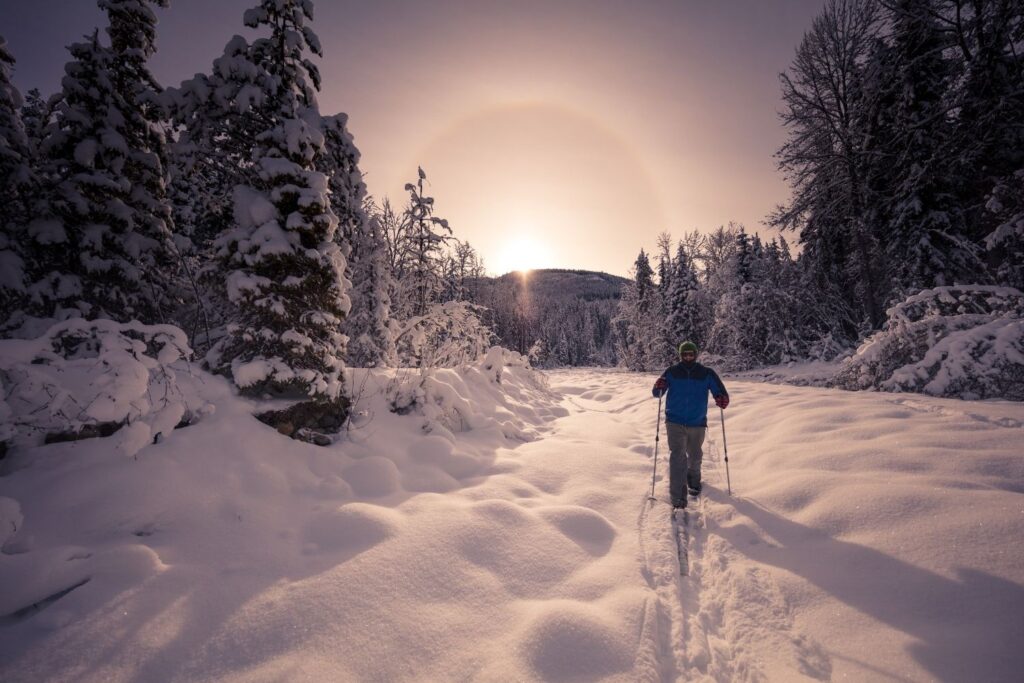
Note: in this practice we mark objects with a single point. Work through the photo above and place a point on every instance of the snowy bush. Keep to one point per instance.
(445, 397)
(447, 335)
(963, 341)
(92, 378)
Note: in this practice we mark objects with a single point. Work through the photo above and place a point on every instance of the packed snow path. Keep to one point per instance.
(871, 537)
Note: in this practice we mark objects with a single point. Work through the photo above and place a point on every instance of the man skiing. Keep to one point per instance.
(686, 418)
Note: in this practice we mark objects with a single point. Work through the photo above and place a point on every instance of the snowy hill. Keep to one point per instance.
(554, 284)
(505, 535)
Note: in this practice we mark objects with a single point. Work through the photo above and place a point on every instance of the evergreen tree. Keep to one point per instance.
(369, 325)
(663, 348)
(36, 113)
(339, 162)
(665, 265)
(218, 118)
(730, 333)
(745, 256)
(284, 269)
(16, 176)
(626, 352)
(683, 321)
(16, 180)
(104, 155)
(637, 327)
(426, 237)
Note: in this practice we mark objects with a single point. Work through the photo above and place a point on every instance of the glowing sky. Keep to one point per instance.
(576, 129)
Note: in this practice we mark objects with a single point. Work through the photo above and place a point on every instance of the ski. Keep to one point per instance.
(680, 529)
(693, 511)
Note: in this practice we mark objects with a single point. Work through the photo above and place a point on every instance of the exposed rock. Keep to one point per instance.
(310, 421)
(89, 431)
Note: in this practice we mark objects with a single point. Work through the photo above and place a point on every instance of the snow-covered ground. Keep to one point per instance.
(870, 537)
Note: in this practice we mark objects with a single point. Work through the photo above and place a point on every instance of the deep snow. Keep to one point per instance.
(870, 537)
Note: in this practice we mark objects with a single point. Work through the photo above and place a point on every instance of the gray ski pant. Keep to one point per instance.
(684, 444)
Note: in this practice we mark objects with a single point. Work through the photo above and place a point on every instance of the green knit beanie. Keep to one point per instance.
(687, 346)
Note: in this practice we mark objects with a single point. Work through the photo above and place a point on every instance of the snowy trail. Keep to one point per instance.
(840, 556)
(229, 553)
(717, 623)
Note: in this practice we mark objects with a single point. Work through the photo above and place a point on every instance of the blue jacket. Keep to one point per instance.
(688, 387)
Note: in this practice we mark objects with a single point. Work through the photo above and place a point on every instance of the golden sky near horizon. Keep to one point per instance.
(553, 134)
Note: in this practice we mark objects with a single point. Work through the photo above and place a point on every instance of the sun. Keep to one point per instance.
(521, 253)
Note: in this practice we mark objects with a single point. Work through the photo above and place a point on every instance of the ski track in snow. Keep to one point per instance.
(525, 549)
(717, 622)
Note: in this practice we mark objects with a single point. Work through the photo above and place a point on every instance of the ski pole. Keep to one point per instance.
(657, 436)
(725, 445)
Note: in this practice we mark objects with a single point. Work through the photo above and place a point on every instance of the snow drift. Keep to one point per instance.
(499, 530)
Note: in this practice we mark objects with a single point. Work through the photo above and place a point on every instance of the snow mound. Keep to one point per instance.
(372, 476)
(351, 528)
(583, 525)
(571, 641)
(965, 341)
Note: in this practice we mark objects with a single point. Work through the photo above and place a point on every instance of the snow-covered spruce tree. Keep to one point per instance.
(104, 241)
(814, 317)
(663, 348)
(16, 173)
(683, 319)
(637, 329)
(217, 117)
(733, 331)
(369, 326)
(426, 236)
(16, 180)
(340, 163)
(36, 114)
(284, 271)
